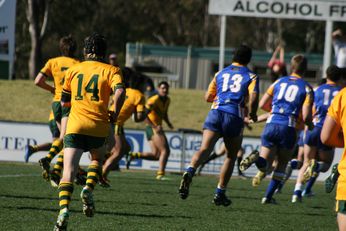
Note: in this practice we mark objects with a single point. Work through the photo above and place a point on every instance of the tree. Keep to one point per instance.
(37, 31)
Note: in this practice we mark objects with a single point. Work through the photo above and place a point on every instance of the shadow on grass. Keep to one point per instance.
(289, 213)
(99, 212)
(28, 197)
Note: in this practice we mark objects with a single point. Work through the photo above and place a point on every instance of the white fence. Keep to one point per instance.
(14, 137)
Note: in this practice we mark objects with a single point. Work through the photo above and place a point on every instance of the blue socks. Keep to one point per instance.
(191, 170)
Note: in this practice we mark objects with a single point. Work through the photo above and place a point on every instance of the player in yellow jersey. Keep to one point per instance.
(53, 127)
(157, 107)
(332, 135)
(134, 104)
(55, 68)
(87, 89)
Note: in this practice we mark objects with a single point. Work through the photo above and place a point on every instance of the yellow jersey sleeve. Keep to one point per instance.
(254, 84)
(212, 87)
(140, 104)
(151, 102)
(270, 90)
(309, 98)
(116, 79)
(47, 69)
(67, 82)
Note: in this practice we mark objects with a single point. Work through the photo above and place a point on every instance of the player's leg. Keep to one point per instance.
(55, 174)
(31, 149)
(209, 139)
(261, 159)
(153, 155)
(341, 214)
(240, 155)
(161, 143)
(97, 151)
(232, 145)
(120, 148)
(293, 164)
(71, 160)
(57, 144)
(283, 156)
(325, 159)
(310, 150)
(211, 157)
(264, 160)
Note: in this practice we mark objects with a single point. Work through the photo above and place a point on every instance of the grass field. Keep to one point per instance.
(136, 201)
(22, 101)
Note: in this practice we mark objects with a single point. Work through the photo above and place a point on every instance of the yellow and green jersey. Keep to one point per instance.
(134, 102)
(158, 107)
(338, 113)
(90, 84)
(55, 68)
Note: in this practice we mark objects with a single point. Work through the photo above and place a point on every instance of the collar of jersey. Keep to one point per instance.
(330, 82)
(296, 75)
(237, 64)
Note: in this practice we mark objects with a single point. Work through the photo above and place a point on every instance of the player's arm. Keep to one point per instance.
(40, 81)
(119, 98)
(66, 90)
(331, 133)
(253, 92)
(139, 114)
(211, 93)
(166, 119)
(307, 108)
(266, 100)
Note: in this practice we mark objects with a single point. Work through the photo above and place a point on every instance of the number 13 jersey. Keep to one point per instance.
(289, 94)
(231, 86)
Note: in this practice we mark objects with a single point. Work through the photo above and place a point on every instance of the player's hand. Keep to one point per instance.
(112, 117)
(253, 118)
(157, 129)
(310, 125)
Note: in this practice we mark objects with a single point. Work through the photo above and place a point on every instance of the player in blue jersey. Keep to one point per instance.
(286, 99)
(313, 147)
(229, 91)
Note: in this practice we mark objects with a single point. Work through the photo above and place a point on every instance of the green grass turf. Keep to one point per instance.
(22, 101)
(136, 201)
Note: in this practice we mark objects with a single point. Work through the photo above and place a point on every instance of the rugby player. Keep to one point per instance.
(157, 111)
(134, 105)
(55, 68)
(313, 148)
(87, 89)
(332, 135)
(31, 149)
(285, 98)
(228, 91)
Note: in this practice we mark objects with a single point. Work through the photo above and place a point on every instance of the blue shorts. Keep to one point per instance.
(278, 135)
(313, 138)
(301, 138)
(226, 124)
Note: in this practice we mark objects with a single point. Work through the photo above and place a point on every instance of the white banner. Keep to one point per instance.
(334, 10)
(7, 32)
(14, 137)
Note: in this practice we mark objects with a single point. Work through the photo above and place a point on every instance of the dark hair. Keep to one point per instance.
(163, 83)
(68, 46)
(322, 81)
(95, 46)
(299, 64)
(333, 73)
(242, 55)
